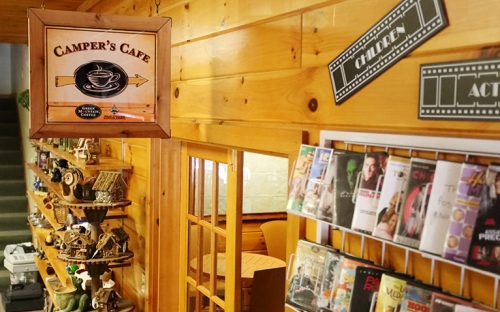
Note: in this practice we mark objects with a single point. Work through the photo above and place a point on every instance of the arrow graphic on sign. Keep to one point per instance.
(62, 81)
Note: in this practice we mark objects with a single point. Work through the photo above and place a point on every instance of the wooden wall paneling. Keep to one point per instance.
(170, 225)
(153, 228)
(138, 157)
(264, 47)
(113, 147)
(136, 218)
(380, 106)
(329, 30)
(282, 141)
(199, 19)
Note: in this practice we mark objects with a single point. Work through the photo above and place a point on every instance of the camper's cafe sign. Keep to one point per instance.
(104, 81)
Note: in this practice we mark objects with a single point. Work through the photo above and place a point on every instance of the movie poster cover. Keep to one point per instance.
(464, 214)
(390, 294)
(417, 298)
(485, 244)
(331, 276)
(441, 201)
(307, 269)
(325, 207)
(412, 215)
(391, 197)
(342, 296)
(348, 166)
(365, 288)
(314, 186)
(368, 194)
(300, 176)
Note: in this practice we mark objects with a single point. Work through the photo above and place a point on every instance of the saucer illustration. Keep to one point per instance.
(110, 87)
(101, 79)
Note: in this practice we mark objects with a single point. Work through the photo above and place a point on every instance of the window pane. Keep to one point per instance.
(265, 183)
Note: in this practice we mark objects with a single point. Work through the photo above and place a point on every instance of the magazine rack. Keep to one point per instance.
(436, 145)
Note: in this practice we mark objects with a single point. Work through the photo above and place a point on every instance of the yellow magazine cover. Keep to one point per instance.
(390, 294)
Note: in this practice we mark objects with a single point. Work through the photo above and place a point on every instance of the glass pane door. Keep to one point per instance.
(211, 225)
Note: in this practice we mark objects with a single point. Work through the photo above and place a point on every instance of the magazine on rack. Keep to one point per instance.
(444, 192)
(418, 189)
(347, 168)
(444, 303)
(464, 214)
(417, 297)
(307, 269)
(299, 177)
(391, 196)
(368, 193)
(314, 186)
(485, 244)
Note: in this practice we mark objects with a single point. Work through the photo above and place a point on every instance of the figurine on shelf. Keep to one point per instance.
(107, 300)
(62, 163)
(111, 244)
(93, 151)
(72, 299)
(72, 185)
(88, 192)
(110, 187)
(56, 175)
(78, 245)
(82, 148)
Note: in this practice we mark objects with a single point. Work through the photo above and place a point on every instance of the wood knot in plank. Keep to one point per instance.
(313, 105)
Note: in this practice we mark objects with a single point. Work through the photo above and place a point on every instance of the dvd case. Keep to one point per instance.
(485, 243)
(300, 176)
(368, 192)
(305, 283)
(314, 185)
(441, 201)
(391, 196)
(464, 214)
(412, 215)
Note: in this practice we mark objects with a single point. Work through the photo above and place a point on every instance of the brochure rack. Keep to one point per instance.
(412, 143)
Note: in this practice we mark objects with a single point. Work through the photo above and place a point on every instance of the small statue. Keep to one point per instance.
(72, 185)
(56, 175)
(72, 300)
(62, 163)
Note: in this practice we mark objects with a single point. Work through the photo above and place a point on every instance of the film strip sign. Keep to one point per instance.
(398, 33)
(463, 90)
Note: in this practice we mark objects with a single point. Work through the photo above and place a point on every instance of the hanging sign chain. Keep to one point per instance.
(157, 2)
(43, 4)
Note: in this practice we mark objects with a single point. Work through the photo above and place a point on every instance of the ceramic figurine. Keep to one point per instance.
(88, 192)
(72, 185)
(75, 300)
(93, 150)
(62, 163)
(110, 187)
(107, 300)
(56, 175)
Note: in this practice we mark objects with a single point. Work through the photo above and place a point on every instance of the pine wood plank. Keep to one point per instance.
(337, 21)
(42, 269)
(216, 56)
(137, 158)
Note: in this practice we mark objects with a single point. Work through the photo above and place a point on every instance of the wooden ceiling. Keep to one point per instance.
(14, 21)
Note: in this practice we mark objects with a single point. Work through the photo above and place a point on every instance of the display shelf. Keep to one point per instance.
(49, 214)
(121, 257)
(105, 163)
(42, 269)
(51, 254)
(56, 188)
(53, 186)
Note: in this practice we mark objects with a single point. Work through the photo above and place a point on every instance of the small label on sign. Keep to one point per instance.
(88, 111)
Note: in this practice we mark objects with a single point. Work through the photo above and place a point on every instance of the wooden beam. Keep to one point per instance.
(87, 5)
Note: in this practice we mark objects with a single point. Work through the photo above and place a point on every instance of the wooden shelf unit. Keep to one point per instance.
(112, 213)
(42, 269)
(105, 163)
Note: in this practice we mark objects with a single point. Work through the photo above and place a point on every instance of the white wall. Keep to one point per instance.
(5, 69)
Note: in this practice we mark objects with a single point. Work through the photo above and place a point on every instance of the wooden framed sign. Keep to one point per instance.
(97, 75)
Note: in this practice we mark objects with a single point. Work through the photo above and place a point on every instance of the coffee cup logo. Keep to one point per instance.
(101, 78)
